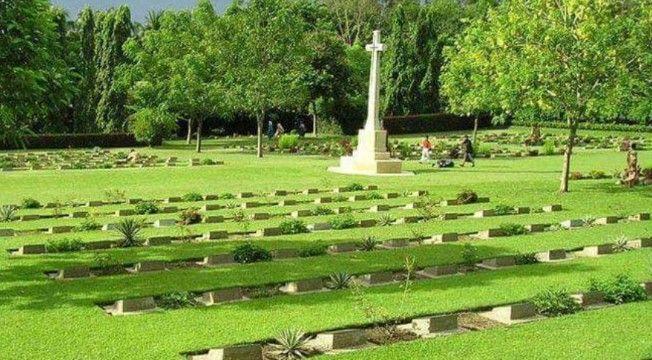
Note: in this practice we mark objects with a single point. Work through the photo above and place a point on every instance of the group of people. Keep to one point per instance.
(278, 130)
(465, 146)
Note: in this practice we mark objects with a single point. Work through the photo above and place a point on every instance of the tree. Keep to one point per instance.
(85, 100)
(355, 19)
(269, 59)
(577, 60)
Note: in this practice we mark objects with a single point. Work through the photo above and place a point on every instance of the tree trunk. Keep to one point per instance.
(189, 135)
(475, 130)
(200, 123)
(260, 121)
(572, 131)
(314, 119)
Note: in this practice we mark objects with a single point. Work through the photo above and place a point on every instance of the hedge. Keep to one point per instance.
(425, 123)
(64, 141)
(585, 125)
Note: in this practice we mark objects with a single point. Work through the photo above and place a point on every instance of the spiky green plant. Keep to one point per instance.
(7, 213)
(368, 243)
(339, 280)
(129, 229)
(385, 220)
(290, 344)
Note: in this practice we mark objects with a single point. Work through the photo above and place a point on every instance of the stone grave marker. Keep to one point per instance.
(435, 324)
(498, 262)
(29, 217)
(301, 213)
(371, 187)
(342, 210)
(572, 224)
(302, 286)
(211, 207)
(439, 270)
(391, 195)
(355, 198)
(270, 231)
(260, 216)
(413, 205)
(640, 243)
(640, 217)
(418, 193)
(512, 313)
(125, 212)
(169, 209)
(95, 203)
(442, 238)
(552, 208)
(366, 223)
(161, 223)
(341, 339)
(647, 286)
(222, 296)
(244, 195)
(319, 226)
(279, 193)
(382, 277)
(606, 220)
(343, 247)
(285, 253)
(213, 219)
(249, 204)
(100, 245)
(484, 213)
(379, 208)
(448, 216)
(7, 232)
(60, 229)
(152, 265)
(109, 227)
(407, 220)
(134, 201)
(215, 235)
(536, 227)
(288, 202)
(126, 306)
(491, 233)
(31, 249)
(211, 197)
(592, 251)
(590, 298)
(310, 191)
(522, 210)
(238, 352)
(218, 259)
(551, 255)
(74, 272)
(323, 200)
(451, 202)
(78, 214)
(396, 243)
(173, 199)
(158, 241)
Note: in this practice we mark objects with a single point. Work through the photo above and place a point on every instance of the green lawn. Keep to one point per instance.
(42, 318)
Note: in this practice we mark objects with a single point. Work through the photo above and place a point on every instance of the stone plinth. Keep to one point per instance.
(240, 352)
(551, 255)
(512, 313)
(222, 296)
(341, 339)
(122, 307)
(219, 259)
(434, 324)
(439, 270)
(301, 286)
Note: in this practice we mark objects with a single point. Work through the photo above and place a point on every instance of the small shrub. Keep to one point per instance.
(374, 195)
(621, 244)
(621, 289)
(588, 220)
(595, 174)
(343, 222)
(30, 203)
(354, 187)
(146, 207)
(552, 302)
(483, 150)
(526, 259)
(288, 142)
(313, 250)
(512, 229)
(320, 210)
(129, 229)
(176, 300)
(249, 253)
(576, 175)
(152, 125)
(340, 198)
(228, 196)
(345, 210)
(64, 245)
(290, 345)
(467, 197)
(208, 162)
(88, 224)
(469, 255)
(106, 262)
(190, 216)
(192, 197)
(502, 209)
(7, 213)
(385, 220)
(289, 227)
(339, 280)
(368, 243)
(549, 148)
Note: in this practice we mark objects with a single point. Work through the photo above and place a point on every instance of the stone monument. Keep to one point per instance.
(371, 156)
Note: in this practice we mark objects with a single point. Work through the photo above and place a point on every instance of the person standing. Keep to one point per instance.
(270, 129)
(426, 149)
(467, 151)
(279, 129)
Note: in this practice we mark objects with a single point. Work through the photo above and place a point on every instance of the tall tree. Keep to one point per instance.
(355, 19)
(85, 100)
(269, 58)
(574, 61)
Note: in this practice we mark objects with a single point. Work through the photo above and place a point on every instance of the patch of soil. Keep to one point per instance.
(474, 321)
(114, 270)
(388, 335)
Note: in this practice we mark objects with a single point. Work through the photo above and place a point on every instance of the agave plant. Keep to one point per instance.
(621, 244)
(339, 280)
(130, 231)
(368, 243)
(290, 344)
(7, 213)
(385, 220)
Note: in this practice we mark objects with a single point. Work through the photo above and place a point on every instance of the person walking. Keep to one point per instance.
(466, 148)
(279, 130)
(270, 129)
(426, 149)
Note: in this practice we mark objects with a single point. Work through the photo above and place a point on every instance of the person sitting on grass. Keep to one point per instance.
(466, 148)
(426, 148)
(133, 156)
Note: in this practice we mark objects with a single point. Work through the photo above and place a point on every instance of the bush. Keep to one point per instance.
(385, 220)
(290, 345)
(502, 209)
(413, 124)
(343, 222)
(289, 227)
(354, 187)
(67, 141)
(208, 161)
(374, 195)
(469, 255)
(249, 253)
(320, 210)
(338, 281)
(552, 302)
(549, 148)
(146, 207)
(151, 126)
(129, 229)
(227, 196)
(29, 203)
(526, 259)
(190, 216)
(64, 245)
(313, 250)
(621, 289)
(176, 300)
(192, 197)
(288, 142)
(7, 213)
(467, 197)
(512, 229)
(576, 175)
(88, 224)
(368, 243)
(595, 174)
(483, 150)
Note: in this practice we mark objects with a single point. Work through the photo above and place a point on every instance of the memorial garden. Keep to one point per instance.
(189, 234)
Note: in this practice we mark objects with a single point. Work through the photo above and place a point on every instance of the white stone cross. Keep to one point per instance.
(373, 105)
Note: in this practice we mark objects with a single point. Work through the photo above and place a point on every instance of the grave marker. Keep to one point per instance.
(213, 219)
(439, 270)
(301, 213)
(301, 286)
(484, 213)
(288, 202)
(319, 226)
(592, 251)
(219, 259)
(158, 241)
(31, 249)
(260, 216)
(249, 204)
(60, 229)
(222, 296)
(552, 208)
(442, 238)
(29, 217)
(522, 210)
(512, 313)
(366, 223)
(396, 243)
(78, 214)
(451, 202)
(125, 212)
(244, 195)
(161, 223)
(211, 197)
(211, 207)
(491, 233)
(173, 199)
(498, 262)
(7, 232)
(589, 298)
(341, 339)
(391, 195)
(379, 208)
(640, 217)
(285, 253)
(310, 191)
(270, 231)
(355, 198)
(343, 247)
(572, 224)
(279, 193)
(100, 245)
(551, 255)
(323, 200)
(215, 235)
(640, 243)
(435, 324)
(606, 220)
(382, 277)
(74, 272)
(153, 265)
(122, 307)
(536, 227)
(239, 352)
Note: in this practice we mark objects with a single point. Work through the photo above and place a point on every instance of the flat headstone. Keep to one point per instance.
(339, 190)
(30, 217)
(371, 187)
(218, 259)
(249, 204)
(512, 313)
(552, 208)
(413, 205)
(300, 286)
(491, 233)
(341, 339)
(572, 224)
(125, 212)
(279, 193)
(377, 278)
(551, 255)
(288, 202)
(606, 220)
(536, 227)
(451, 202)
(354, 198)
(442, 238)
(408, 220)
(244, 195)
(78, 214)
(435, 324)
(213, 219)
(145, 266)
(239, 352)
(94, 203)
(319, 226)
(60, 229)
(343, 247)
(31, 249)
(365, 223)
(439, 270)
(260, 216)
(342, 210)
(7, 232)
(74, 272)
(173, 199)
(448, 216)
(211, 207)
(160, 223)
(134, 201)
(522, 210)
(501, 261)
(640, 217)
(589, 298)
(301, 213)
(418, 193)
(647, 286)
(640, 243)
(323, 200)
(484, 213)
(169, 210)
(210, 197)
(158, 241)
(99, 245)
(396, 243)
(598, 250)
(379, 208)
(126, 306)
(222, 296)
(310, 191)
(270, 231)
(285, 253)
(109, 227)
(215, 235)
(391, 195)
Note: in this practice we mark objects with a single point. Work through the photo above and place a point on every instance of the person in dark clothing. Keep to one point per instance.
(270, 129)
(302, 128)
(466, 148)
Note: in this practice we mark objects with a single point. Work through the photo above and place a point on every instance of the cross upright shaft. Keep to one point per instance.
(373, 105)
